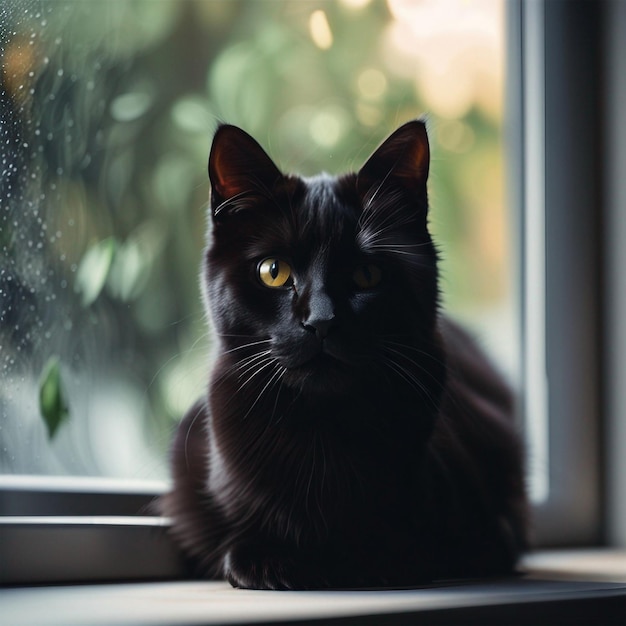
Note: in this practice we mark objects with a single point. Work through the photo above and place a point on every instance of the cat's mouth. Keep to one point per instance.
(327, 369)
(322, 359)
(320, 354)
(321, 375)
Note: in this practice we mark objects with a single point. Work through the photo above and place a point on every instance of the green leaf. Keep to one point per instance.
(94, 269)
(52, 403)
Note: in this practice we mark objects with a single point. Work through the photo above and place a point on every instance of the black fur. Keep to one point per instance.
(351, 436)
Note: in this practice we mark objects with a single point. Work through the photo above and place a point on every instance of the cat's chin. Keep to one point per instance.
(322, 375)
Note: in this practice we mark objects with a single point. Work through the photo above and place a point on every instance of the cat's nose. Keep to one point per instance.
(319, 315)
(320, 326)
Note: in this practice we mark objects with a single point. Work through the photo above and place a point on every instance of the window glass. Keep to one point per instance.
(106, 112)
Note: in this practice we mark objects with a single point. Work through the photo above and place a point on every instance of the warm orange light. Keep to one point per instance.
(453, 49)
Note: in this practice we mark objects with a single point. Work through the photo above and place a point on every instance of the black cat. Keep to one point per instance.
(351, 435)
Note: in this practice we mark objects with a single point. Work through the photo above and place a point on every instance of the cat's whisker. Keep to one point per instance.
(322, 482)
(407, 346)
(407, 376)
(247, 360)
(389, 228)
(283, 371)
(414, 363)
(247, 345)
(256, 368)
(237, 201)
(385, 242)
(391, 218)
(410, 378)
(397, 348)
(391, 250)
(246, 372)
(369, 199)
(312, 453)
(387, 205)
(202, 337)
(400, 245)
(272, 379)
(186, 444)
(372, 195)
(375, 225)
(324, 467)
(238, 336)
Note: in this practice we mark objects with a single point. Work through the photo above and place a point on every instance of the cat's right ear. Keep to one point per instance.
(403, 158)
(238, 165)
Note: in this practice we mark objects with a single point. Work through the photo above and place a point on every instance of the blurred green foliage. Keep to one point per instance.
(52, 401)
(109, 107)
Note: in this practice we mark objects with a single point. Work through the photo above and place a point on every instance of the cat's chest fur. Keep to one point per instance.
(293, 445)
(317, 489)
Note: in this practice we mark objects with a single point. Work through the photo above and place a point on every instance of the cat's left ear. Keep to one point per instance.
(238, 164)
(403, 158)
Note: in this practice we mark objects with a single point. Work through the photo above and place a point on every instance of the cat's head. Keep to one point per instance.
(321, 283)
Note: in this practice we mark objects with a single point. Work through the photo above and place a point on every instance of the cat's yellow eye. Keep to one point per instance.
(367, 276)
(275, 273)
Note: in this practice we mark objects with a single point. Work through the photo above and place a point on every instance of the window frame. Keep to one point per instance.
(545, 68)
(614, 259)
(81, 529)
(557, 142)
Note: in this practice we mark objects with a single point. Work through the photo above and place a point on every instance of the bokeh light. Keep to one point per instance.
(106, 114)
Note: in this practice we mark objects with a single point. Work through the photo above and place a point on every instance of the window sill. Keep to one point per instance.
(589, 564)
(39, 550)
(530, 599)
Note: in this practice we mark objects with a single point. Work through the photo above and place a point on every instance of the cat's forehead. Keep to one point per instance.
(320, 189)
(325, 207)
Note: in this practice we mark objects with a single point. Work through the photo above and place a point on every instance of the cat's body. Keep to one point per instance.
(351, 435)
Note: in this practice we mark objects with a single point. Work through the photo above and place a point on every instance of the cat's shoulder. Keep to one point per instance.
(471, 372)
